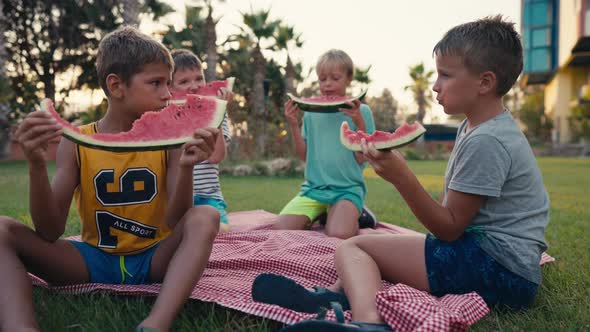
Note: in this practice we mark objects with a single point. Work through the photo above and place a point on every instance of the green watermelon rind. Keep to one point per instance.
(324, 107)
(387, 145)
(230, 83)
(88, 141)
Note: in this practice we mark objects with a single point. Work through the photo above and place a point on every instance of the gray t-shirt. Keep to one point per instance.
(495, 160)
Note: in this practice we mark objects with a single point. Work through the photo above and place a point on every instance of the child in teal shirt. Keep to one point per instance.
(333, 175)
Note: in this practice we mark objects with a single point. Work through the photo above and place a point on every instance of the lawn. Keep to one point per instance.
(563, 302)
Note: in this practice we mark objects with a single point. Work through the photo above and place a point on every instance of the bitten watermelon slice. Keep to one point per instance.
(169, 128)
(209, 89)
(324, 104)
(404, 135)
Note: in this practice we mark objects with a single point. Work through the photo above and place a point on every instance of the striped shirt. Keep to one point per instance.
(206, 175)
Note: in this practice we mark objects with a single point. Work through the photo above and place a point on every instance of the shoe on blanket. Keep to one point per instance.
(314, 325)
(320, 324)
(284, 292)
(322, 218)
(367, 219)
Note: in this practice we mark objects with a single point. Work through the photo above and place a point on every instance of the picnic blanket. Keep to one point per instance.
(307, 257)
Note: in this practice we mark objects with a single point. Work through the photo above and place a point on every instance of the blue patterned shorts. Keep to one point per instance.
(461, 267)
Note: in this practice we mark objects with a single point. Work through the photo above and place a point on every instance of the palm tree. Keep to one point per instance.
(285, 39)
(4, 87)
(191, 36)
(131, 9)
(259, 27)
(421, 89)
(210, 36)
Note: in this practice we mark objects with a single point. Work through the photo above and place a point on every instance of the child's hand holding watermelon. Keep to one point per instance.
(34, 133)
(225, 94)
(291, 113)
(200, 148)
(354, 112)
(388, 164)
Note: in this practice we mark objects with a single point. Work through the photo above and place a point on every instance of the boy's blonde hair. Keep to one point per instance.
(490, 43)
(185, 59)
(336, 58)
(125, 51)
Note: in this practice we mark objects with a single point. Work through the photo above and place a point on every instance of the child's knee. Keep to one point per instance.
(346, 247)
(202, 220)
(341, 233)
(9, 229)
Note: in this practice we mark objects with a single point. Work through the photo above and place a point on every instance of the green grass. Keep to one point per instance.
(563, 302)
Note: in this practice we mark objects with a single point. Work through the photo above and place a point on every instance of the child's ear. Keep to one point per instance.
(115, 85)
(487, 82)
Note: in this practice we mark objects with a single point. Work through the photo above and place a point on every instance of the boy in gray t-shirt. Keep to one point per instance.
(494, 160)
(488, 225)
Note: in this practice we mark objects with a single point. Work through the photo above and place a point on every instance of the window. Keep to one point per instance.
(539, 35)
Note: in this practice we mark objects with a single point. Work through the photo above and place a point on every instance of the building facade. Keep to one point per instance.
(556, 41)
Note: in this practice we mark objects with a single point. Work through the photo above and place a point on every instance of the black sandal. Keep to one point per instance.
(320, 324)
(285, 292)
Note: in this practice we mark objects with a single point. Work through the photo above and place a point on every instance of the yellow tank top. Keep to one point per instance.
(121, 198)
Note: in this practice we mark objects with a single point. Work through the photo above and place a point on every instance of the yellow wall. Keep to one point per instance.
(565, 86)
(569, 13)
(559, 94)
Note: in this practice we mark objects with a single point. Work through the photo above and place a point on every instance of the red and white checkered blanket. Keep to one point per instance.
(306, 256)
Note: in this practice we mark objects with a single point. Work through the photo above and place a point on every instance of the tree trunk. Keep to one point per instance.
(131, 10)
(420, 117)
(257, 101)
(211, 46)
(289, 76)
(48, 80)
(421, 108)
(4, 106)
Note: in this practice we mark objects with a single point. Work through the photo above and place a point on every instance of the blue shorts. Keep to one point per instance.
(461, 267)
(106, 268)
(214, 202)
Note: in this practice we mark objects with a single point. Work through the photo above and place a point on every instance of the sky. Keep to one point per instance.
(388, 35)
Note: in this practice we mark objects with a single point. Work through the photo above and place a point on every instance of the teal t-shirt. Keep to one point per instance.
(331, 171)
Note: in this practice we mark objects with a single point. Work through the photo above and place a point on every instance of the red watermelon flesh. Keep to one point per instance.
(325, 104)
(209, 89)
(168, 128)
(326, 99)
(404, 135)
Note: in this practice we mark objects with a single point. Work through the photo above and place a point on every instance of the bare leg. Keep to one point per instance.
(292, 222)
(364, 260)
(22, 250)
(343, 220)
(180, 261)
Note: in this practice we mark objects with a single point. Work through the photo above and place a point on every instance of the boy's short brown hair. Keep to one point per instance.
(125, 51)
(490, 44)
(185, 59)
(336, 58)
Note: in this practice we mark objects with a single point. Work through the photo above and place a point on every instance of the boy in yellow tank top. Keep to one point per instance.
(138, 220)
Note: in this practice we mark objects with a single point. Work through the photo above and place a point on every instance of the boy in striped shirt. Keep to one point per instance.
(187, 78)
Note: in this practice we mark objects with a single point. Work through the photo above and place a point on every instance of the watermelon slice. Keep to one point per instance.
(324, 104)
(169, 128)
(209, 89)
(404, 135)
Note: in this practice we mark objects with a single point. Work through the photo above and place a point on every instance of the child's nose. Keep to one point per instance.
(167, 95)
(194, 87)
(436, 87)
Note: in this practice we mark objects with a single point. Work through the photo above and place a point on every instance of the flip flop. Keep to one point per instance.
(284, 292)
(319, 324)
(332, 326)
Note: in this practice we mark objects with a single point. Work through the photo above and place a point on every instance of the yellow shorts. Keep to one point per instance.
(301, 205)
